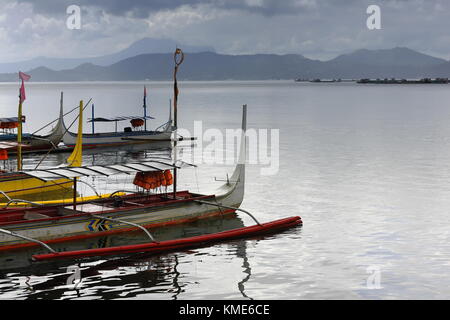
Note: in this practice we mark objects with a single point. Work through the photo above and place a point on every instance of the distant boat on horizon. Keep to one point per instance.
(324, 80)
(404, 81)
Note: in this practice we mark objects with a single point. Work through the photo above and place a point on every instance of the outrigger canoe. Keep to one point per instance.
(16, 184)
(19, 185)
(47, 225)
(162, 136)
(34, 142)
(20, 189)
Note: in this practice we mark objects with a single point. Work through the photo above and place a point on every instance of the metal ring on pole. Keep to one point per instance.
(179, 61)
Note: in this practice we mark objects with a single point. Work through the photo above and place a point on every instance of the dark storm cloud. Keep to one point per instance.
(316, 28)
(117, 7)
(141, 8)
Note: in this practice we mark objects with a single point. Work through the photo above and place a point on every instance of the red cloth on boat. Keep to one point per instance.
(23, 77)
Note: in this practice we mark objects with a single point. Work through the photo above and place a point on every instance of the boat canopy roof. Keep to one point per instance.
(6, 145)
(11, 120)
(104, 170)
(121, 118)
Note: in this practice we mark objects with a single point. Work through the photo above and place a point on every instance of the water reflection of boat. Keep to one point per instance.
(157, 275)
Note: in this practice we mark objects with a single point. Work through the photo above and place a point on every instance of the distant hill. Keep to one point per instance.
(197, 66)
(397, 62)
(143, 46)
(399, 57)
(385, 63)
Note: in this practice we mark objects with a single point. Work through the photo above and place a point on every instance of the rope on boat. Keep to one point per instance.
(28, 239)
(65, 114)
(67, 129)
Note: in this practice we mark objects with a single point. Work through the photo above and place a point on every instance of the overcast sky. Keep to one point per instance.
(319, 29)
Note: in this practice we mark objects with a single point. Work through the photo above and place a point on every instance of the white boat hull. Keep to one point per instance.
(119, 138)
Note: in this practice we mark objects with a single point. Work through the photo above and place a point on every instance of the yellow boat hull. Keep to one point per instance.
(21, 186)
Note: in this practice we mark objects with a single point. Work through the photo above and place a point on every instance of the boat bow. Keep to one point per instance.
(233, 190)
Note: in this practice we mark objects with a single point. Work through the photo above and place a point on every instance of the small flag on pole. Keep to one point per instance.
(145, 100)
(145, 108)
(22, 97)
(23, 77)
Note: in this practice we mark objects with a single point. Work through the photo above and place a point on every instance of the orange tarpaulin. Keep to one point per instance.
(137, 123)
(153, 180)
(8, 125)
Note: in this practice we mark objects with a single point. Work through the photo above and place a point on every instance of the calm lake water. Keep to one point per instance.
(367, 167)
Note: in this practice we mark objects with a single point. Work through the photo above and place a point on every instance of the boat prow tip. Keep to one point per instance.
(299, 219)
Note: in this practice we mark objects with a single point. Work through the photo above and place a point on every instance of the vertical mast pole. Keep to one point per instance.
(93, 126)
(19, 137)
(145, 108)
(75, 193)
(178, 59)
(76, 158)
(23, 77)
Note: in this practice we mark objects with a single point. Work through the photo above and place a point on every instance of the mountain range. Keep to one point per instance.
(152, 59)
(143, 46)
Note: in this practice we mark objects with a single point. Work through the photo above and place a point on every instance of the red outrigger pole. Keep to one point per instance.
(172, 245)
